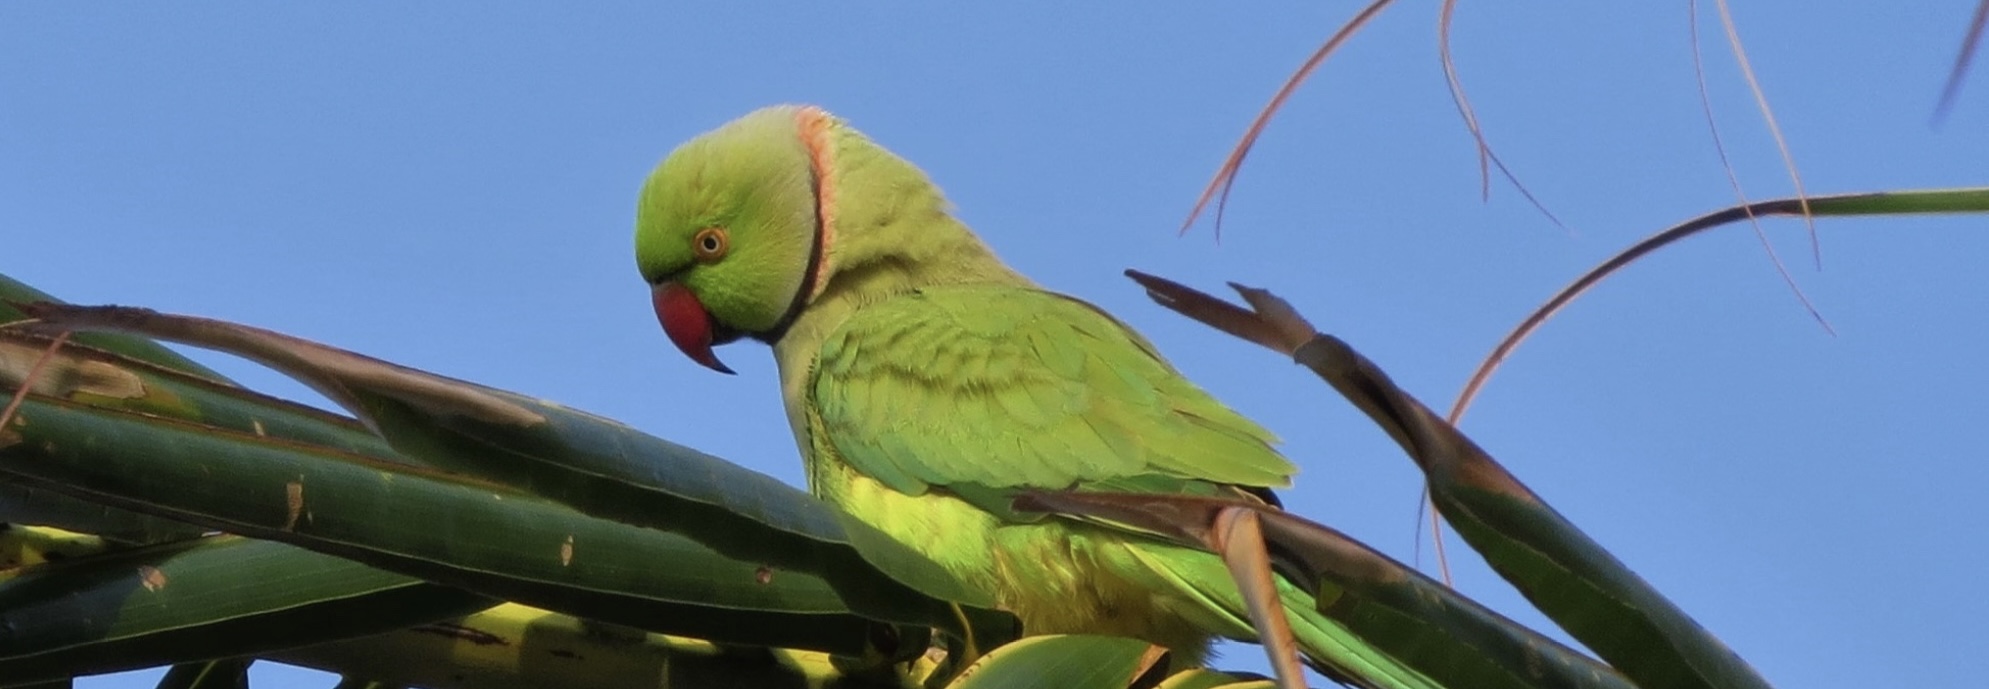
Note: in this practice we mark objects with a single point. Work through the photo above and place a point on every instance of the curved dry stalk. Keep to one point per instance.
(1225, 177)
(329, 371)
(1733, 180)
(1539, 316)
(1909, 202)
(1229, 529)
(1457, 97)
(1961, 61)
(1774, 129)
(1238, 537)
(1486, 156)
(1436, 537)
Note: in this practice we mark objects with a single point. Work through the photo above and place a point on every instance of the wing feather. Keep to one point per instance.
(1006, 388)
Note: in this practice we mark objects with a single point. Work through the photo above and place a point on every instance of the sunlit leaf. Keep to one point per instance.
(517, 647)
(1069, 662)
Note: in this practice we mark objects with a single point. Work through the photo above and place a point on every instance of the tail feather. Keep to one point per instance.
(1197, 586)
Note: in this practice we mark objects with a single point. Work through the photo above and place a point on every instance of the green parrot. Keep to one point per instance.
(927, 383)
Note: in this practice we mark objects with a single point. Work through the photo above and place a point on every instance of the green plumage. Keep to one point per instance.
(927, 383)
(924, 389)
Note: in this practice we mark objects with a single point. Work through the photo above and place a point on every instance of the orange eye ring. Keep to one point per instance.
(710, 244)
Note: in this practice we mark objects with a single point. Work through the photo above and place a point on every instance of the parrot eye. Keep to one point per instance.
(710, 244)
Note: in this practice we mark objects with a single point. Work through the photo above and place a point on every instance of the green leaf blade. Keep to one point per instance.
(213, 597)
(425, 524)
(1572, 579)
(597, 466)
(1070, 662)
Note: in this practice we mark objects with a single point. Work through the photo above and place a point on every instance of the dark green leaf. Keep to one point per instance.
(16, 292)
(136, 374)
(426, 524)
(1569, 577)
(356, 683)
(205, 598)
(65, 683)
(230, 673)
(106, 379)
(1426, 625)
(1577, 583)
(23, 502)
(595, 465)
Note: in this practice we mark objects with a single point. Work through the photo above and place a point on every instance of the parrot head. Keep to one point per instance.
(729, 229)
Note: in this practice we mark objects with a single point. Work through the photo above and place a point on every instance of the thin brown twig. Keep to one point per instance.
(1436, 539)
(1425, 508)
(1962, 59)
(1733, 180)
(1457, 97)
(28, 381)
(1239, 538)
(1594, 276)
(1486, 156)
(1774, 128)
(1225, 177)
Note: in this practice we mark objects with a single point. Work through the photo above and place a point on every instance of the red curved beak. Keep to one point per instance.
(688, 324)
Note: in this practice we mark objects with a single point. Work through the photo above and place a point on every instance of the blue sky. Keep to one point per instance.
(451, 186)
